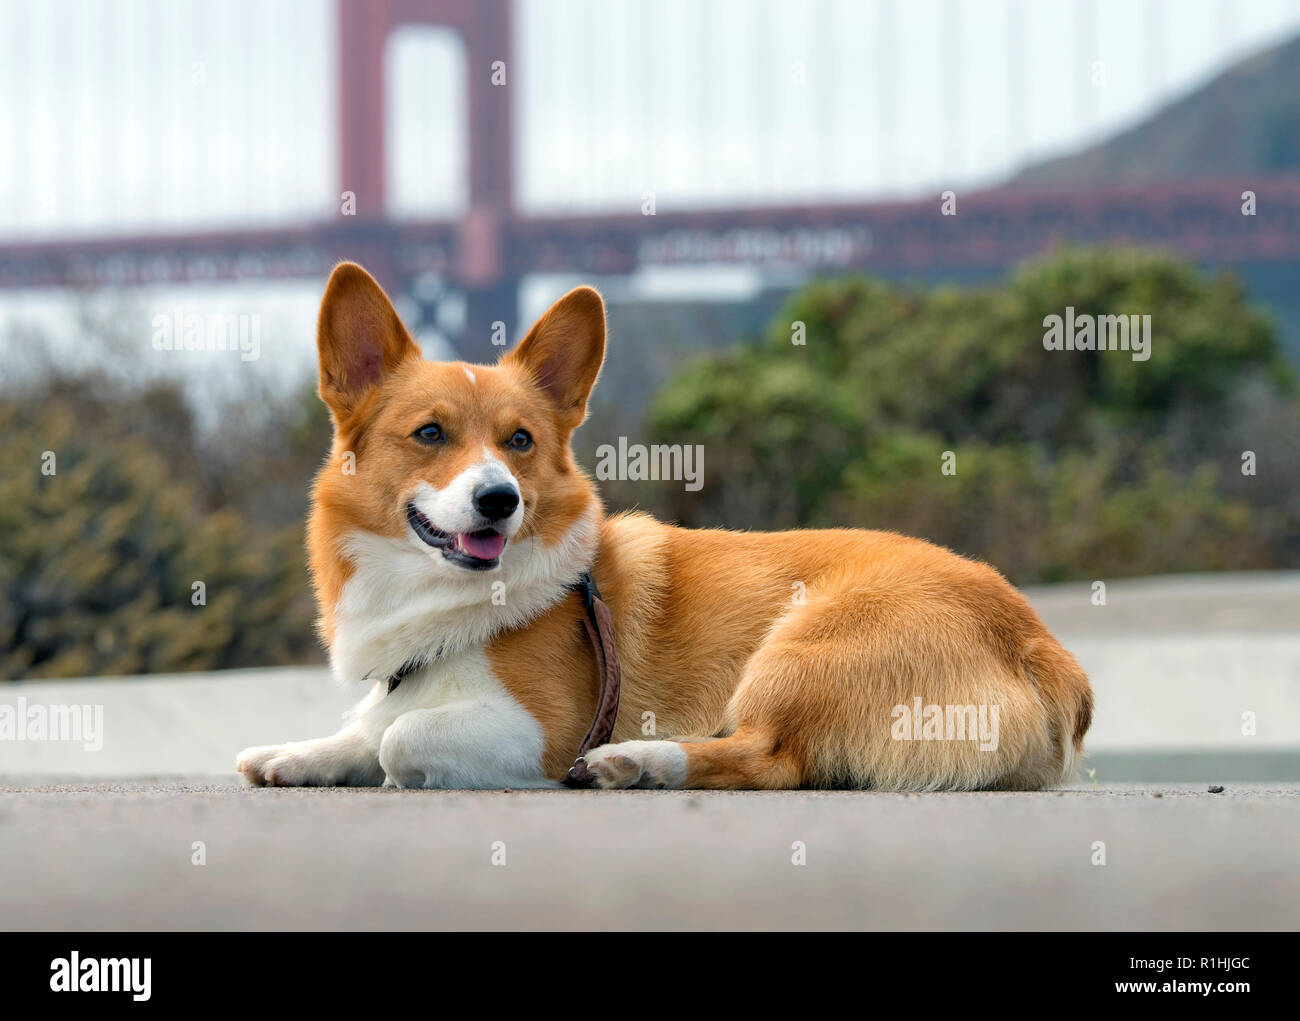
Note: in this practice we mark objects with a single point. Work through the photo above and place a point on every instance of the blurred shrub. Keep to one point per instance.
(98, 561)
(1069, 464)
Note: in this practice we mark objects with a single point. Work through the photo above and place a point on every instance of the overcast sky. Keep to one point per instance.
(140, 114)
(167, 115)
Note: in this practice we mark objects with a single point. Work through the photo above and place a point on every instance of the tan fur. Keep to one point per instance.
(712, 644)
(712, 639)
(374, 424)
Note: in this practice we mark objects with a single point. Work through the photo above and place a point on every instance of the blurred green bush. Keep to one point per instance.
(99, 560)
(1068, 464)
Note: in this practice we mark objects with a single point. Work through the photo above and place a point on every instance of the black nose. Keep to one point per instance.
(496, 500)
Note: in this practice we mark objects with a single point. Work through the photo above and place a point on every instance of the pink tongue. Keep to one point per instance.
(484, 547)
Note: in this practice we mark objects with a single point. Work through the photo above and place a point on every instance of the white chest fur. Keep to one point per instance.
(405, 604)
(450, 722)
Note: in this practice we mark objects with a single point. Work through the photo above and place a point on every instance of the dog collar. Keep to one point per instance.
(599, 625)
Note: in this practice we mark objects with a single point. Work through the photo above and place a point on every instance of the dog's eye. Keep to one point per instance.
(521, 440)
(430, 433)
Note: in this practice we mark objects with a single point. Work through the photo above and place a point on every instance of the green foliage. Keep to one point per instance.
(1069, 463)
(98, 560)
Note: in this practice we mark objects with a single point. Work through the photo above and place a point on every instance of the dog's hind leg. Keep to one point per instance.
(746, 760)
(902, 684)
(887, 687)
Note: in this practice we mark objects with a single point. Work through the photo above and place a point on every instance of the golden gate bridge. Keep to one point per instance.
(487, 250)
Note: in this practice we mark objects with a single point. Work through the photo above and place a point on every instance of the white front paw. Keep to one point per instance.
(276, 766)
(653, 764)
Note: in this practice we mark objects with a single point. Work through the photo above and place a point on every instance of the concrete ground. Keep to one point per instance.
(120, 855)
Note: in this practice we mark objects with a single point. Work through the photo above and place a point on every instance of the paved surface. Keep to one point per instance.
(119, 855)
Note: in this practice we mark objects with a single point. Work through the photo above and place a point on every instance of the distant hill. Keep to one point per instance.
(1245, 121)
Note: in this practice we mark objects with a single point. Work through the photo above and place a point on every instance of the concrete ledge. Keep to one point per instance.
(1202, 765)
(1240, 602)
(178, 724)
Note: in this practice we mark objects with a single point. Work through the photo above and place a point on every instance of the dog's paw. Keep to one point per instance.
(654, 764)
(275, 766)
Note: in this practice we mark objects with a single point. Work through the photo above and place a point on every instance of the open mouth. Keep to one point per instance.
(478, 551)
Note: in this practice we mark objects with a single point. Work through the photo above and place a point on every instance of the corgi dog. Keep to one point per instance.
(449, 526)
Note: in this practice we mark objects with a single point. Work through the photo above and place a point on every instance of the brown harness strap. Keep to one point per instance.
(599, 626)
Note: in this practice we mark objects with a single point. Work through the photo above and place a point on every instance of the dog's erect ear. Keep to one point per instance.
(359, 337)
(565, 350)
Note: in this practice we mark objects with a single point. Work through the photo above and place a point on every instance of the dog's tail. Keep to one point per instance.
(1065, 691)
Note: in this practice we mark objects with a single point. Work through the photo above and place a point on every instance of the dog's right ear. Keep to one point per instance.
(359, 337)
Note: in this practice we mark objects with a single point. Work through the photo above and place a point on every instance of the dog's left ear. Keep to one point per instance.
(564, 351)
